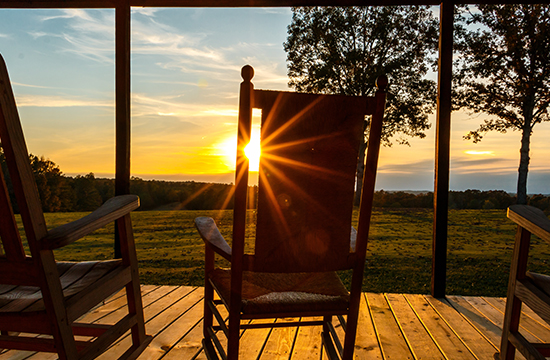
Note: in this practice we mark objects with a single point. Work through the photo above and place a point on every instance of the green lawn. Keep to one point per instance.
(398, 259)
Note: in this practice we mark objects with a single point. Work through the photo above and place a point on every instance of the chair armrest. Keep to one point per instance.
(211, 235)
(111, 210)
(531, 219)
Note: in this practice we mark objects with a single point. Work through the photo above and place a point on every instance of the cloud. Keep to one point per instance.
(60, 101)
(33, 86)
(418, 167)
(86, 33)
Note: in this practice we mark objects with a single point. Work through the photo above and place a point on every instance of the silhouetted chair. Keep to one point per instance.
(39, 296)
(524, 286)
(304, 235)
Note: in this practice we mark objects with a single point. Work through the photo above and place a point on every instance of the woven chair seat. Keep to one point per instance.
(285, 292)
(74, 277)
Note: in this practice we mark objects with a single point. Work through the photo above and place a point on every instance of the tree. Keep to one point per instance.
(87, 196)
(342, 50)
(505, 72)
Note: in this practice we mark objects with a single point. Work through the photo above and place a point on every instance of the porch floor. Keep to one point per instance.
(391, 326)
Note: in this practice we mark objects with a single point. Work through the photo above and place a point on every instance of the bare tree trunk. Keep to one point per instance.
(524, 161)
(360, 170)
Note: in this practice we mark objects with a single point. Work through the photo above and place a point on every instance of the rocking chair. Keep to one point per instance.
(40, 296)
(310, 146)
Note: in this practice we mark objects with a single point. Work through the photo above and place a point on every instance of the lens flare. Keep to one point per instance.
(253, 152)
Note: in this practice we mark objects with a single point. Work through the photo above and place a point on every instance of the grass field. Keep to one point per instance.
(398, 259)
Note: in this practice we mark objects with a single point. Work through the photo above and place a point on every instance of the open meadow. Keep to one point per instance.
(398, 259)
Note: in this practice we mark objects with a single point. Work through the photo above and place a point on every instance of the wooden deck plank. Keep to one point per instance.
(416, 335)
(525, 310)
(391, 340)
(166, 339)
(498, 317)
(490, 330)
(448, 342)
(115, 303)
(255, 340)
(188, 346)
(366, 342)
(308, 343)
(478, 344)
(526, 322)
(159, 315)
(391, 326)
(280, 343)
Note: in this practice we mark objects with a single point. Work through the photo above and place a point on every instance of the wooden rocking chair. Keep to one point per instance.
(304, 235)
(39, 296)
(525, 287)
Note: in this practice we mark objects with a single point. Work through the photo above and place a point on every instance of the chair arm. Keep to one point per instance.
(211, 235)
(531, 219)
(111, 210)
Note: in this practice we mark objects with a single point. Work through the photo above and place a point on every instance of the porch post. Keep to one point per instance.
(122, 89)
(442, 149)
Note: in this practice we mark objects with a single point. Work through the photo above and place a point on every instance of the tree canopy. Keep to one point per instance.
(505, 72)
(342, 50)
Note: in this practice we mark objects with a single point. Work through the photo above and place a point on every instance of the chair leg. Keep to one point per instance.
(133, 290)
(351, 325)
(209, 258)
(513, 304)
(53, 300)
(234, 334)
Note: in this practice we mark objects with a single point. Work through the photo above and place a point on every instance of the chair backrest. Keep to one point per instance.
(307, 175)
(21, 176)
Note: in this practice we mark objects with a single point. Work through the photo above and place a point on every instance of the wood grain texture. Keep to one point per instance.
(41, 296)
(418, 338)
(532, 219)
(391, 339)
(107, 213)
(474, 339)
(307, 174)
(178, 333)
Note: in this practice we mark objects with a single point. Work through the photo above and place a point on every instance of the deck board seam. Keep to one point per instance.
(451, 328)
(374, 326)
(426, 328)
(473, 324)
(409, 345)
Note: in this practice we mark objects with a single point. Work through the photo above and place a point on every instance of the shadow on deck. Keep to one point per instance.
(392, 326)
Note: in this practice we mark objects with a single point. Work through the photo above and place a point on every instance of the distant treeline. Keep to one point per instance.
(469, 199)
(60, 193)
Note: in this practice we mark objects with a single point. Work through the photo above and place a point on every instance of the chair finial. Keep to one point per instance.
(247, 72)
(382, 82)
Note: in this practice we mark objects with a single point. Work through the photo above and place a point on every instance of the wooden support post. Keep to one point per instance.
(122, 75)
(442, 149)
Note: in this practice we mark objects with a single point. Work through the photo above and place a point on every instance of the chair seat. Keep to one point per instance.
(285, 293)
(74, 276)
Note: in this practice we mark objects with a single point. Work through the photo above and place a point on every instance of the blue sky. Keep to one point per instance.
(185, 77)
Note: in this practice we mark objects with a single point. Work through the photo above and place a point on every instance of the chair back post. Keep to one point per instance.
(240, 205)
(17, 159)
(369, 176)
(365, 211)
(11, 240)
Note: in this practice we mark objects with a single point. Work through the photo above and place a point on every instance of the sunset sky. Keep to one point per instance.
(185, 79)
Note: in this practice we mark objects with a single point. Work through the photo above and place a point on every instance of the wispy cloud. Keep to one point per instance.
(86, 33)
(33, 86)
(60, 101)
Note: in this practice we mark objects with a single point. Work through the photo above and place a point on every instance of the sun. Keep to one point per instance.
(253, 152)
